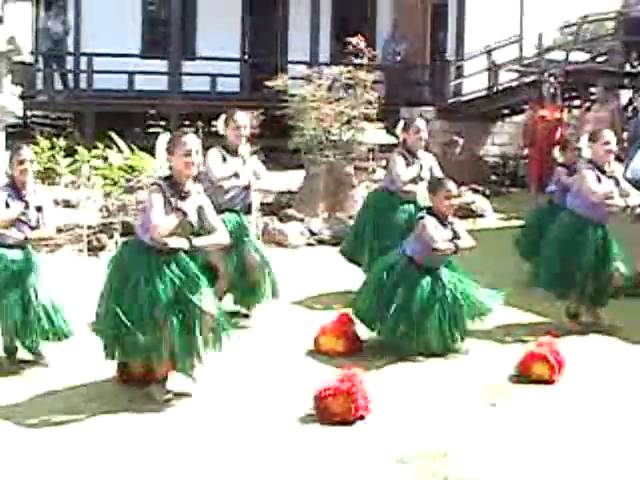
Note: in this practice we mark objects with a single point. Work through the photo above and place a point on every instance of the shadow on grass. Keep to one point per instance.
(525, 332)
(375, 355)
(327, 301)
(79, 403)
(8, 369)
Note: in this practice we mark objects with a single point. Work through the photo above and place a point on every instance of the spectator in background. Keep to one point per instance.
(394, 55)
(631, 29)
(54, 30)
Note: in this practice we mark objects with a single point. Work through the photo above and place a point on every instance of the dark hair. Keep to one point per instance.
(438, 184)
(176, 139)
(16, 152)
(405, 123)
(596, 135)
(566, 143)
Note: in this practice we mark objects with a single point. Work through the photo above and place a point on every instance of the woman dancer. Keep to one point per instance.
(158, 312)
(529, 241)
(389, 213)
(27, 316)
(580, 261)
(229, 178)
(416, 298)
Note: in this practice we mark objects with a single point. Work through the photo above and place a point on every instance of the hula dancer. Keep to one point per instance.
(416, 298)
(229, 177)
(390, 212)
(538, 222)
(27, 316)
(581, 262)
(158, 311)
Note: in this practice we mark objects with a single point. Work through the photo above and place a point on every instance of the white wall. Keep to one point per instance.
(219, 33)
(384, 22)
(326, 7)
(484, 26)
(116, 26)
(299, 37)
(18, 22)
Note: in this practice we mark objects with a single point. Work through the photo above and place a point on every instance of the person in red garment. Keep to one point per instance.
(543, 130)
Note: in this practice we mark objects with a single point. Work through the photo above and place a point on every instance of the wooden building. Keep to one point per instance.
(193, 58)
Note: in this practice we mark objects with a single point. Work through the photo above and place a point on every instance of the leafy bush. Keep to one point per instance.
(328, 107)
(109, 167)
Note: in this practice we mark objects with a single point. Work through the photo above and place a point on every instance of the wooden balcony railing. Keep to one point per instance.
(86, 77)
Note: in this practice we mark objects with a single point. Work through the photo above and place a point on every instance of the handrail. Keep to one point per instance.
(572, 29)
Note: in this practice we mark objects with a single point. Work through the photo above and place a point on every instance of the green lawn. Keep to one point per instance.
(495, 264)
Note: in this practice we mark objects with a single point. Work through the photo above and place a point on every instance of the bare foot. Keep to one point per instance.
(159, 393)
(39, 359)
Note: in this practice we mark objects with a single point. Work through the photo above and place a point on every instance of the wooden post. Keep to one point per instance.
(89, 125)
(314, 34)
(245, 54)
(175, 47)
(521, 40)
(77, 42)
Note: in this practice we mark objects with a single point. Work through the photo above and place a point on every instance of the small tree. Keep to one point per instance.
(328, 109)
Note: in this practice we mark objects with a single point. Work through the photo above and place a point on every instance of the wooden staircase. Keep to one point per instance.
(504, 89)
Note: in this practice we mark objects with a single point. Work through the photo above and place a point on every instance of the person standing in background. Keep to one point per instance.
(54, 30)
(394, 55)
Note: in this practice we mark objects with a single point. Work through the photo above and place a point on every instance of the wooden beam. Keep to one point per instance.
(314, 33)
(413, 21)
(89, 125)
(175, 47)
(427, 6)
(245, 66)
(77, 42)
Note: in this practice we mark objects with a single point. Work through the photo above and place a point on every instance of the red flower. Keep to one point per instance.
(542, 363)
(344, 402)
(338, 338)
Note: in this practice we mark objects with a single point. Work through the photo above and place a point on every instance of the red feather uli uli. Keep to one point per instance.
(344, 402)
(338, 338)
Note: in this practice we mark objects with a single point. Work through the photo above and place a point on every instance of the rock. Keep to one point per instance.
(290, 215)
(97, 242)
(328, 188)
(474, 206)
(290, 234)
(127, 227)
(329, 232)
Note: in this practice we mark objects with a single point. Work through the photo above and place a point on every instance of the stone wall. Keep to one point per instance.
(485, 142)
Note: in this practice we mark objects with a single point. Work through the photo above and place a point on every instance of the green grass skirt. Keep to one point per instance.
(384, 221)
(537, 224)
(420, 310)
(159, 307)
(248, 290)
(27, 315)
(578, 260)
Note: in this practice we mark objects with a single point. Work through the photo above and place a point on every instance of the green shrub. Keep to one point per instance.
(108, 167)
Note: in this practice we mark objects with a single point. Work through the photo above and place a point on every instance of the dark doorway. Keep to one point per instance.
(265, 25)
(351, 17)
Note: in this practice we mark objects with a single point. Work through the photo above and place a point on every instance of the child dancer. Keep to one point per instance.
(580, 261)
(389, 213)
(416, 297)
(157, 311)
(229, 178)
(529, 241)
(27, 316)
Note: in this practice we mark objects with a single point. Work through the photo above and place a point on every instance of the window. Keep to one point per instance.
(156, 28)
